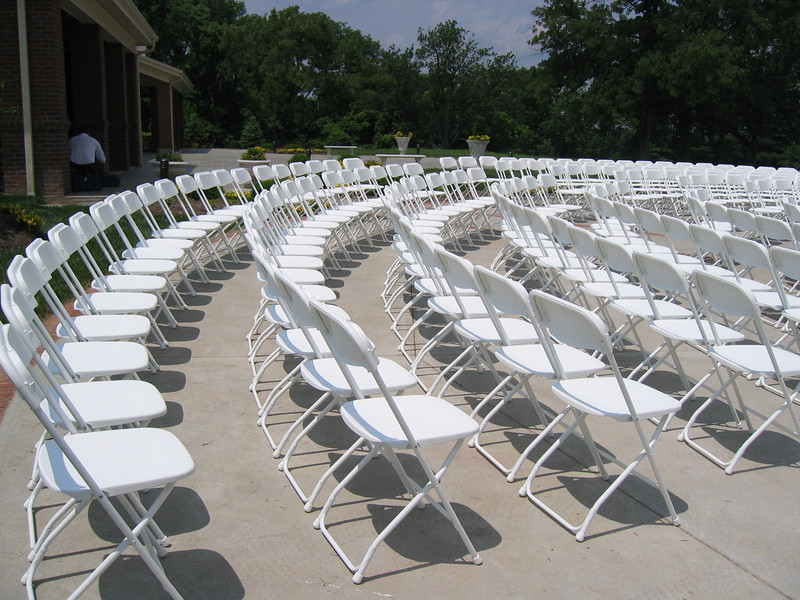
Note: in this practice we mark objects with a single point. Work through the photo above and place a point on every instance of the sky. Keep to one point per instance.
(504, 25)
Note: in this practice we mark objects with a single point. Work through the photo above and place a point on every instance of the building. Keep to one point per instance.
(79, 63)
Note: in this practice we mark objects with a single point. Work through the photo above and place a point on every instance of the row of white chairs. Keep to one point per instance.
(84, 388)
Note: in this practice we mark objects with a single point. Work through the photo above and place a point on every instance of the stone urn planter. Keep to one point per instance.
(175, 168)
(477, 148)
(402, 143)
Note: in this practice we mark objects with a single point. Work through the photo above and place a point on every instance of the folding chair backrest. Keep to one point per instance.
(299, 169)
(786, 261)
(353, 163)
(774, 230)
(660, 273)
(742, 220)
(395, 171)
(20, 313)
(281, 171)
(413, 168)
(747, 252)
(35, 384)
(727, 296)
(571, 324)
(332, 164)
(263, 175)
(617, 256)
(448, 163)
(458, 271)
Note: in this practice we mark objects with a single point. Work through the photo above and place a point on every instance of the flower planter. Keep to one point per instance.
(175, 168)
(477, 148)
(249, 164)
(402, 143)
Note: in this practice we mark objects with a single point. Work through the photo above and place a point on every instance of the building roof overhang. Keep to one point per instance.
(120, 19)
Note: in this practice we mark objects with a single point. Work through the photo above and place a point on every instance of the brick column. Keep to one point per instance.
(48, 99)
(134, 109)
(161, 116)
(11, 133)
(116, 107)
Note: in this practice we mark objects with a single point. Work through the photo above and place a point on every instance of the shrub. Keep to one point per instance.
(299, 157)
(170, 155)
(254, 153)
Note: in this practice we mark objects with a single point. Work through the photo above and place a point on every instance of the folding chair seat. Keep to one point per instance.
(86, 467)
(524, 360)
(770, 364)
(611, 397)
(387, 424)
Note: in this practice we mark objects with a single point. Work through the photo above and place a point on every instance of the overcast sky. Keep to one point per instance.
(504, 25)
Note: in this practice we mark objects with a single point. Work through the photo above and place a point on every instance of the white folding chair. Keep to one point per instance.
(612, 397)
(387, 424)
(770, 364)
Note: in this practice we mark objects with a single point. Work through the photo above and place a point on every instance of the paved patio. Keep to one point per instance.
(239, 530)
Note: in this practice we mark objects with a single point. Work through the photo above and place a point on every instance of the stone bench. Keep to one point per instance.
(329, 148)
(384, 158)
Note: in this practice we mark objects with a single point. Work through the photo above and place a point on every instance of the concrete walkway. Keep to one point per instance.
(239, 530)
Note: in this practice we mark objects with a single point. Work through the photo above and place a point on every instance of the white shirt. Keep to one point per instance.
(84, 150)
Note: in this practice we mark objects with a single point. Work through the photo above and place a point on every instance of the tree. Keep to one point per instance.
(191, 34)
(459, 75)
(692, 78)
(297, 68)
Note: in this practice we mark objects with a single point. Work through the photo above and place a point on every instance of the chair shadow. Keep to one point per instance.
(165, 381)
(197, 574)
(432, 539)
(771, 448)
(183, 511)
(174, 355)
(173, 417)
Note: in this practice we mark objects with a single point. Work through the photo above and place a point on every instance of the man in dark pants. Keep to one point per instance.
(87, 160)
